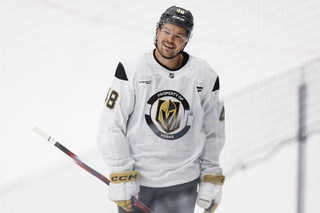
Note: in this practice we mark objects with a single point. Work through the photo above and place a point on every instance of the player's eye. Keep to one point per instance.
(167, 32)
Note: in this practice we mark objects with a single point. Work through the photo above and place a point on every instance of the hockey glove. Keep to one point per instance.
(210, 192)
(123, 186)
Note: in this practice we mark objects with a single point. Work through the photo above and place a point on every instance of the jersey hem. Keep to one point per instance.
(178, 182)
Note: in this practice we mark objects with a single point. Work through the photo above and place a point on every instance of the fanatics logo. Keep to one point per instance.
(199, 89)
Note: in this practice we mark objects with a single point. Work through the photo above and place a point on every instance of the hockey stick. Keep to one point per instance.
(134, 200)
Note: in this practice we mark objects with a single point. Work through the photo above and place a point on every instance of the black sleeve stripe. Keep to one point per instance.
(121, 73)
(216, 85)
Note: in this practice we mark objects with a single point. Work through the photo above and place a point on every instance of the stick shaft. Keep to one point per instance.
(81, 164)
(101, 177)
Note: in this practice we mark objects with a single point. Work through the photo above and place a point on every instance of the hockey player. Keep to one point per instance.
(162, 126)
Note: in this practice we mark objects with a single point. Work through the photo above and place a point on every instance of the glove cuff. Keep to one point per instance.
(122, 177)
(213, 178)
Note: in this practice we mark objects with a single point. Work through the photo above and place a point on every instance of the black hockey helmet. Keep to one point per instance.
(178, 16)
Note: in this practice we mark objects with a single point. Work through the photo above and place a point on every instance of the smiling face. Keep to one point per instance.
(171, 39)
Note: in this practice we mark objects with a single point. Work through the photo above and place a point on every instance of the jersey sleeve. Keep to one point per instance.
(111, 137)
(214, 128)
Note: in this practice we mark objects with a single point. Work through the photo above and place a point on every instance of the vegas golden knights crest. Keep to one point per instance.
(168, 115)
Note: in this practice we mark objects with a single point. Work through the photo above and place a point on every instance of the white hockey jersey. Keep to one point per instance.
(167, 124)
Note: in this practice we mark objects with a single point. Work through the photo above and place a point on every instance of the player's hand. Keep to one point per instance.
(123, 186)
(210, 192)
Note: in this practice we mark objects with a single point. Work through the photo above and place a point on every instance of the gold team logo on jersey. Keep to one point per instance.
(168, 114)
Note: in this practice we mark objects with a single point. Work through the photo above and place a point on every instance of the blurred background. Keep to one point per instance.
(57, 60)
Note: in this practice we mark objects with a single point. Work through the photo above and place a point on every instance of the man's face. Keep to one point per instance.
(171, 39)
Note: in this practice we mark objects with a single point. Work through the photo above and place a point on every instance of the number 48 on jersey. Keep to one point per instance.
(111, 99)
